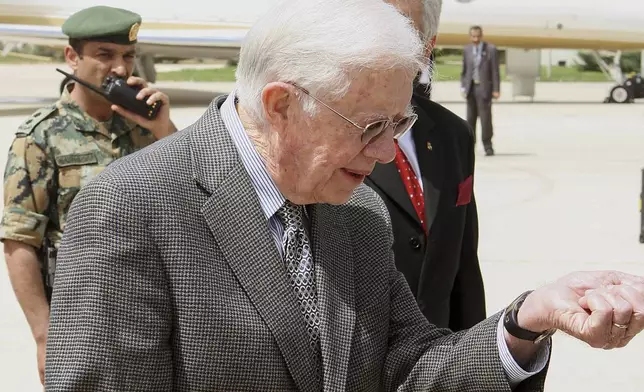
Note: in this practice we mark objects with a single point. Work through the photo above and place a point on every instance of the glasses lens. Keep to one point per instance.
(404, 125)
(373, 130)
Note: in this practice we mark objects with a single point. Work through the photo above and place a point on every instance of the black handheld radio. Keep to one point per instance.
(117, 91)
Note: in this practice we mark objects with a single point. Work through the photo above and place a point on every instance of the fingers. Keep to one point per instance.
(146, 91)
(635, 298)
(622, 311)
(157, 96)
(129, 115)
(136, 81)
(597, 330)
(627, 304)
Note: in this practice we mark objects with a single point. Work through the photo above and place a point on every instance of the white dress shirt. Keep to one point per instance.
(406, 144)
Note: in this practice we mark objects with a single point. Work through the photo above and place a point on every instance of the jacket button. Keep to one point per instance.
(414, 243)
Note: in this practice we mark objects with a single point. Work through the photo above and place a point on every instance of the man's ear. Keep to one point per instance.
(71, 57)
(276, 100)
(430, 46)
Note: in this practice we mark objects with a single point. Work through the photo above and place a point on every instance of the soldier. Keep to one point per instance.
(61, 147)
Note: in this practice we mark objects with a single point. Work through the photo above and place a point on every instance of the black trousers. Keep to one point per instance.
(479, 105)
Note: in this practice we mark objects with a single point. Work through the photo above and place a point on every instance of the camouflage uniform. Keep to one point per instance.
(57, 150)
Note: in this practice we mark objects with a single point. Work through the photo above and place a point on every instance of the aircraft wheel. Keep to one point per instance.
(619, 94)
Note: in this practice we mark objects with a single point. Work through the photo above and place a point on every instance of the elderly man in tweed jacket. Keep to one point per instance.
(245, 254)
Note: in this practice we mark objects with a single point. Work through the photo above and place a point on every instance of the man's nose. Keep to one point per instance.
(119, 69)
(382, 148)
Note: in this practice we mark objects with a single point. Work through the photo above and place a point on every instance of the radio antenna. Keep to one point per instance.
(84, 83)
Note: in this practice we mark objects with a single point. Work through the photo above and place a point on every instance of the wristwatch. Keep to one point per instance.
(511, 323)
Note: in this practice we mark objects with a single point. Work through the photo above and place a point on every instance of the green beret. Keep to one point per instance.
(105, 24)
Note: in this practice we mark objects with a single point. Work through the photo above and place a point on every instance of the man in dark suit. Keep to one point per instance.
(245, 254)
(480, 82)
(438, 258)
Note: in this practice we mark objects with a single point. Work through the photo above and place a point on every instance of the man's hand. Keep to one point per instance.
(496, 95)
(161, 126)
(603, 309)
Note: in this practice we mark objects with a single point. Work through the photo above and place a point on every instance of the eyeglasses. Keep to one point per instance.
(374, 129)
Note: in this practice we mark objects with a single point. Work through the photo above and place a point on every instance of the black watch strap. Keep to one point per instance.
(511, 323)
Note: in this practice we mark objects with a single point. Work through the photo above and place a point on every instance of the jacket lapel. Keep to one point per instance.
(239, 227)
(336, 296)
(386, 177)
(429, 154)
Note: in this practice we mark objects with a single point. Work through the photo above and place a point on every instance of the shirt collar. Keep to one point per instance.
(270, 198)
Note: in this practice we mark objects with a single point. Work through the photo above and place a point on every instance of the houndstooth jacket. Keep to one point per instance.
(168, 279)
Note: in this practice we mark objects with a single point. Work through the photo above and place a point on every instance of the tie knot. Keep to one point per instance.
(290, 214)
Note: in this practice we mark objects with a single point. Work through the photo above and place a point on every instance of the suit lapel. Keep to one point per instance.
(387, 178)
(429, 151)
(430, 160)
(239, 227)
(336, 296)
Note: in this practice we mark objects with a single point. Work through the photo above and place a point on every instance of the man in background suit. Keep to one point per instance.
(245, 254)
(438, 257)
(480, 82)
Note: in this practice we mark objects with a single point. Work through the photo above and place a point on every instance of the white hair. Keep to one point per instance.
(320, 44)
(431, 18)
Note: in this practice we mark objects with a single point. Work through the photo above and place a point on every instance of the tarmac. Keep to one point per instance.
(561, 195)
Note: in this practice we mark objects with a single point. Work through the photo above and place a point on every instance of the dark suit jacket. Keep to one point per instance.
(442, 270)
(488, 68)
(170, 280)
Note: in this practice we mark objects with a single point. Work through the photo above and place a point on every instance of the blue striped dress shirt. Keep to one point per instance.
(271, 199)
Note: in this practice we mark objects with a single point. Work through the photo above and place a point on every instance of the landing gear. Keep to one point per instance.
(627, 92)
(619, 94)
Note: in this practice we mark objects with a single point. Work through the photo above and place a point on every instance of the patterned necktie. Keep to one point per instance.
(299, 266)
(412, 185)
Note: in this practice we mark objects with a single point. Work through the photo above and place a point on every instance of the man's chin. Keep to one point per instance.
(339, 196)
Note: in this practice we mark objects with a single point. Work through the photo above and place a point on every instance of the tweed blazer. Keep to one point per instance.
(168, 279)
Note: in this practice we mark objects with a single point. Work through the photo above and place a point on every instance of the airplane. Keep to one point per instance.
(520, 27)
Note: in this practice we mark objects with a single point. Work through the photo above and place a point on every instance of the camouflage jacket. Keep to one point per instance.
(56, 151)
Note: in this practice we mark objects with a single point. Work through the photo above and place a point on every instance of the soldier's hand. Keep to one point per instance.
(161, 126)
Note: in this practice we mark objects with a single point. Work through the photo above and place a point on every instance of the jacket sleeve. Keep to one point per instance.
(467, 307)
(28, 179)
(496, 72)
(111, 315)
(423, 357)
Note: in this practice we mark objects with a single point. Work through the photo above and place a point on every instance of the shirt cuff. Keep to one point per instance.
(22, 225)
(515, 373)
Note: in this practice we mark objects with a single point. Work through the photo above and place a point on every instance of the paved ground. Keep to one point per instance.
(561, 195)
